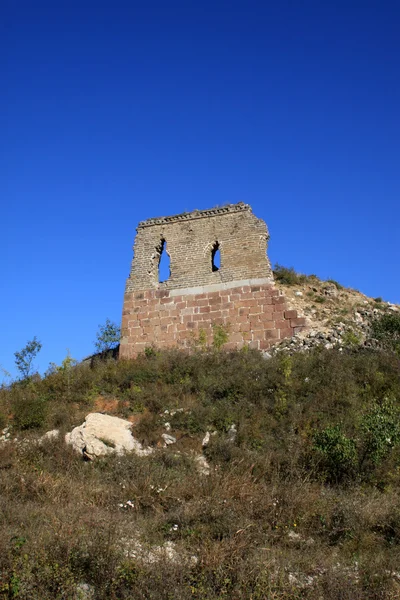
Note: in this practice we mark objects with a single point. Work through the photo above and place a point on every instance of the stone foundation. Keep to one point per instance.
(253, 312)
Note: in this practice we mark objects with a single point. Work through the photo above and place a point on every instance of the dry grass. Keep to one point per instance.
(264, 524)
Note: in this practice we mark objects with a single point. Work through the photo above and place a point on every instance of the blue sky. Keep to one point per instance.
(113, 112)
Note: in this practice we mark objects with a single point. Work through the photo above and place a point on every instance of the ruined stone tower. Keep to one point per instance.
(237, 293)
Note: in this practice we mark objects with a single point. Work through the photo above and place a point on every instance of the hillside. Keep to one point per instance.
(336, 316)
(261, 476)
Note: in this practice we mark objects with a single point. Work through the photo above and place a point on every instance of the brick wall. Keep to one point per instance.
(189, 240)
(183, 310)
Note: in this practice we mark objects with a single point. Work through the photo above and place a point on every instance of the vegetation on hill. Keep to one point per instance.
(302, 499)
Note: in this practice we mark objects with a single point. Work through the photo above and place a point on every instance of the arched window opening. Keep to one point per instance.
(215, 257)
(164, 269)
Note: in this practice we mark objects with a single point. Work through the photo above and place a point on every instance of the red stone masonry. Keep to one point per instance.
(255, 316)
(171, 313)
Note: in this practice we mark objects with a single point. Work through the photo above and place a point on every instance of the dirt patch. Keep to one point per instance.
(106, 405)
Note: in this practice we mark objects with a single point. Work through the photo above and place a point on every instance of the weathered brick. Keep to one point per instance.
(205, 309)
(285, 333)
(272, 334)
(299, 322)
(290, 314)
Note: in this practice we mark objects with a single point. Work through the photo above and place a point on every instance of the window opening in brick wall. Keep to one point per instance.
(215, 257)
(164, 268)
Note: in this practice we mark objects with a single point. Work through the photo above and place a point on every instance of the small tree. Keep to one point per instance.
(220, 336)
(108, 336)
(25, 357)
(5, 374)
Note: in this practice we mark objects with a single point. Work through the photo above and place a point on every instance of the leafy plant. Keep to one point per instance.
(338, 452)
(350, 339)
(25, 357)
(220, 336)
(108, 336)
(381, 429)
(29, 410)
(202, 339)
(287, 275)
(150, 351)
(386, 329)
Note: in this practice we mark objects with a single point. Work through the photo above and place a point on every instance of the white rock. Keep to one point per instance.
(5, 435)
(206, 439)
(298, 293)
(102, 434)
(202, 465)
(84, 591)
(232, 433)
(167, 552)
(50, 435)
(168, 439)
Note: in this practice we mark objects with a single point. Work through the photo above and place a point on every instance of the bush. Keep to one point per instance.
(287, 275)
(381, 429)
(386, 329)
(29, 409)
(220, 336)
(107, 336)
(338, 452)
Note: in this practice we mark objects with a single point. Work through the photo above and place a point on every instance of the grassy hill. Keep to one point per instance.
(300, 498)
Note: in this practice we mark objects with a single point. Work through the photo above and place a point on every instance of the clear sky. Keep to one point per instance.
(113, 112)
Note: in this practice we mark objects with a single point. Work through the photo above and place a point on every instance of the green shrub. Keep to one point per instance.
(351, 339)
(338, 452)
(386, 329)
(220, 336)
(381, 430)
(29, 410)
(287, 275)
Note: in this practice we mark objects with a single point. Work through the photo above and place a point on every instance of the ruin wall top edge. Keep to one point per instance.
(197, 214)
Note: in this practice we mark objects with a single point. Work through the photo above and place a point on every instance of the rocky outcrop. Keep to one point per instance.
(336, 317)
(102, 434)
